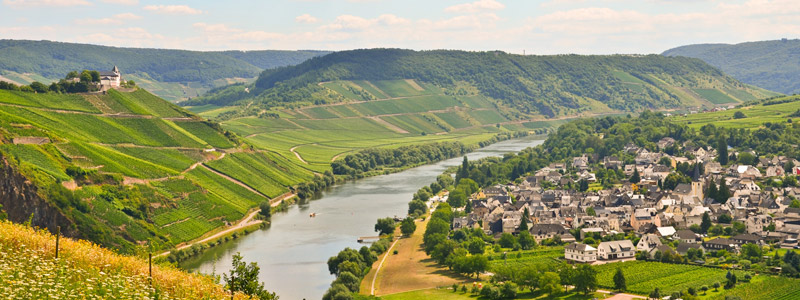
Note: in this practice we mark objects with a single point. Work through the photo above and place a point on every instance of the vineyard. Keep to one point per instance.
(765, 288)
(643, 277)
(542, 258)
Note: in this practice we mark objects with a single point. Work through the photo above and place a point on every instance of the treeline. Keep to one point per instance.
(368, 160)
(350, 266)
(74, 82)
(550, 85)
(53, 59)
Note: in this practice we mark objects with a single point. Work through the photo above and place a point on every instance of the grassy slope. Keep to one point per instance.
(755, 115)
(321, 133)
(87, 270)
(156, 202)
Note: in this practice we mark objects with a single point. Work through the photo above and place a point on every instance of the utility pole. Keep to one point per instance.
(58, 234)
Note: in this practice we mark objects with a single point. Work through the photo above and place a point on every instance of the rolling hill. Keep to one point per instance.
(171, 74)
(127, 168)
(773, 65)
(548, 86)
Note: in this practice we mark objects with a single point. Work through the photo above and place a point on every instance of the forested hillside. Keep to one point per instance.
(773, 65)
(22, 61)
(535, 85)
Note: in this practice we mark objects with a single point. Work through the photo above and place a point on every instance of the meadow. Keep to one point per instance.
(29, 270)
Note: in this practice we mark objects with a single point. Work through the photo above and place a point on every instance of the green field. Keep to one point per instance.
(763, 287)
(643, 277)
(755, 115)
(715, 96)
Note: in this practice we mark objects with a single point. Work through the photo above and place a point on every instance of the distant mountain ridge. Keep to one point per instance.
(53, 60)
(547, 85)
(773, 65)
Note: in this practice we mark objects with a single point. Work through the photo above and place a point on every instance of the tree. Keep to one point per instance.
(39, 87)
(507, 240)
(417, 207)
(244, 278)
(457, 198)
(526, 241)
(265, 209)
(463, 171)
(711, 191)
(722, 150)
(407, 227)
(337, 291)
(705, 224)
(739, 115)
(583, 185)
(723, 193)
(590, 211)
(724, 218)
(795, 204)
(619, 281)
(476, 246)
(655, 294)
(550, 283)
(385, 225)
(585, 279)
(635, 178)
(716, 286)
(704, 289)
(352, 282)
(523, 224)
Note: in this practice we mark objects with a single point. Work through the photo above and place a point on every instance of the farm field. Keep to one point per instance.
(446, 293)
(755, 115)
(715, 96)
(138, 156)
(642, 277)
(542, 257)
(763, 287)
(386, 114)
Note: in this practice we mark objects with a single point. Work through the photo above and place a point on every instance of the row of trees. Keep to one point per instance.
(86, 82)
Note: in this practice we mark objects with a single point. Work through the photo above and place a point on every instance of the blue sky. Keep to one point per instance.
(536, 27)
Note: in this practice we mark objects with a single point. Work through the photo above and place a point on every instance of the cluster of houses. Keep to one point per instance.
(547, 201)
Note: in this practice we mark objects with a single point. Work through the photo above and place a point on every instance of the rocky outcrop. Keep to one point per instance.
(20, 200)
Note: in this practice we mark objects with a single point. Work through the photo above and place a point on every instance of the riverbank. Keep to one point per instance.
(303, 190)
(293, 249)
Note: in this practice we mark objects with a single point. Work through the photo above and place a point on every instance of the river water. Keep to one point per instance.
(293, 251)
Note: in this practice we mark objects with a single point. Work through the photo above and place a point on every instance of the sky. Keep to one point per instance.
(518, 26)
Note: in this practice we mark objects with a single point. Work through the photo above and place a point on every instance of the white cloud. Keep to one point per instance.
(118, 19)
(34, 3)
(121, 2)
(306, 19)
(475, 7)
(173, 9)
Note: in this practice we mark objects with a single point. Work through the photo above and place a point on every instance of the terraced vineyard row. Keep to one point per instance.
(643, 277)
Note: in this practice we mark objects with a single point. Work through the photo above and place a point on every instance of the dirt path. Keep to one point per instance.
(411, 269)
(298, 154)
(244, 222)
(231, 179)
(388, 125)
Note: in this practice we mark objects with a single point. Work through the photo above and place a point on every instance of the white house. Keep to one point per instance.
(616, 250)
(648, 242)
(111, 79)
(580, 253)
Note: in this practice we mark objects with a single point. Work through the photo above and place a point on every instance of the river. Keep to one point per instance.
(294, 249)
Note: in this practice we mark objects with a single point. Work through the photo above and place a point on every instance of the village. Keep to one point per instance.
(656, 214)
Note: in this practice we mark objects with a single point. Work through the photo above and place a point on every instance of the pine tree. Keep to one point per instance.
(711, 192)
(619, 281)
(463, 171)
(635, 178)
(722, 150)
(723, 193)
